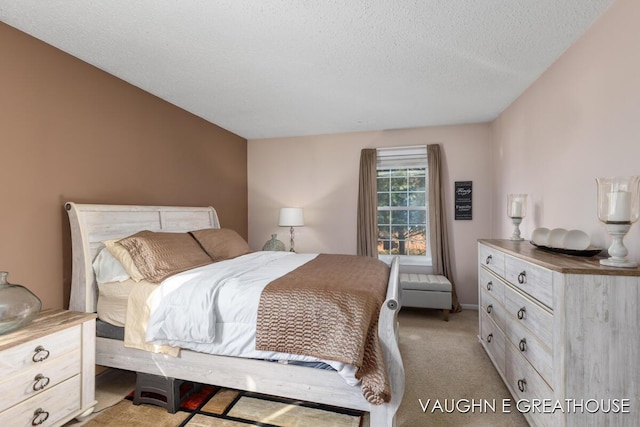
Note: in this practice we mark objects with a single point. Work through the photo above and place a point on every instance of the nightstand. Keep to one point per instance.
(47, 370)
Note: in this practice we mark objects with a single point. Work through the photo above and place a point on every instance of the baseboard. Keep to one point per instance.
(469, 306)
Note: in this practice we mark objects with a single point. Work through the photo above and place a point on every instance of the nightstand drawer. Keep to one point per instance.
(492, 259)
(38, 379)
(531, 279)
(529, 314)
(38, 351)
(54, 404)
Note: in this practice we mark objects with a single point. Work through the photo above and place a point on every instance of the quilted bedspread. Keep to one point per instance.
(328, 308)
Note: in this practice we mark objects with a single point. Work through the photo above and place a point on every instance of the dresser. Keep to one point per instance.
(47, 370)
(563, 332)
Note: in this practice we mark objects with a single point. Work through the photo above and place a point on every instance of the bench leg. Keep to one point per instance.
(445, 314)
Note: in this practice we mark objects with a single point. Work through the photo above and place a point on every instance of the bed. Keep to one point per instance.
(92, 224)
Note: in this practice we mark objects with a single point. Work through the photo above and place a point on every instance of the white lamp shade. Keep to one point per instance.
(291, 217)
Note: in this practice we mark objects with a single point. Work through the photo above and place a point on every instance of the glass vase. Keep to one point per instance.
(18, 305)
(273, 244)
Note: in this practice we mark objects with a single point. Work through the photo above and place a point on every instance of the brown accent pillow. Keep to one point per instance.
(221, 243)
(160, 255)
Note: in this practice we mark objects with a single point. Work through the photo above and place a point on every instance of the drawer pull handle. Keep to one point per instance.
(522, 385)
(41, 354)
(489, 337)
(489, 286)
(522, 278)
(523, 344)
(488, 261)
(489, 308)
(40, 382)
(521, 313)
(39, 416)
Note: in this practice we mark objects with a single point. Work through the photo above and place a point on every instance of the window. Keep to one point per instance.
(402, 184)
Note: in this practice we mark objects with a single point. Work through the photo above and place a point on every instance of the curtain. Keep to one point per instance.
(368, 204)
(438, 234)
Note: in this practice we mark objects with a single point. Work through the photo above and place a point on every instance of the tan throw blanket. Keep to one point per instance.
(328, 308)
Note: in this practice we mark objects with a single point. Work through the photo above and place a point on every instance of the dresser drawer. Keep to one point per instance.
(534, 350)
(490, 283)
(531, 279)
(39, 351)
(492, 259)
(56, 404)
(528, 313)
(38, 379)
(492, 308)
(494, 341)
(527, 385)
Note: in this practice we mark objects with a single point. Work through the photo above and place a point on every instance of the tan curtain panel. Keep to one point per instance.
(368, 204)
(438, 234)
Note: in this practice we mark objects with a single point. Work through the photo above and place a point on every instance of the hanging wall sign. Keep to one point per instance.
(463, 208)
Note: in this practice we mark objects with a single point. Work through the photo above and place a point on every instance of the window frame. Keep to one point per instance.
(405, 158)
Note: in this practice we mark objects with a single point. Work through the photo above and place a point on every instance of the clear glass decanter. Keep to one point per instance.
(18, 305)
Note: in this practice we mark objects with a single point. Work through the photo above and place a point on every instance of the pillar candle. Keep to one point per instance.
(619, 206)
(516, 209)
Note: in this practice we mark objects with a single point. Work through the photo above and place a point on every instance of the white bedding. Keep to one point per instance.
(213, 309)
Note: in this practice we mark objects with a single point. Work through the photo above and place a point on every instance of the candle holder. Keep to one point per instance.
(516, 210)
(618, 208)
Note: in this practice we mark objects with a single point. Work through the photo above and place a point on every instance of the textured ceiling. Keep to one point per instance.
(273, 68)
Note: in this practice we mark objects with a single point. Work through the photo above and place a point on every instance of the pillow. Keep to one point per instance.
(160, 255)
(107, 268)
(221, 243)
(121, 254)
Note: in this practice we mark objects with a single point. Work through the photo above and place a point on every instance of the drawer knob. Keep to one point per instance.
(522, 313)
(522, 385)
(40, 382)
(523, 344)
(522, 278)
(489, 308)
(489, 337)
(489, 286)
(39, 416)
(488, 261)
(41, 354)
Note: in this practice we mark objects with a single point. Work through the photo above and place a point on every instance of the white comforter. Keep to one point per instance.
(213, 309)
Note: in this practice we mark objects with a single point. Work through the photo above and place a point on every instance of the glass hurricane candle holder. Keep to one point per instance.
(516, 210)
(618, 208)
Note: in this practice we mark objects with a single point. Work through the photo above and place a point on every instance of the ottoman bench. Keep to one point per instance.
(426, 291)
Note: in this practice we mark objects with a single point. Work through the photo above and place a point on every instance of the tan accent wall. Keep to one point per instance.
(71, 132)
(579, 121)
(320, 174)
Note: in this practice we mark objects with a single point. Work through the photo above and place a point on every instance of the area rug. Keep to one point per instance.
(222, 407)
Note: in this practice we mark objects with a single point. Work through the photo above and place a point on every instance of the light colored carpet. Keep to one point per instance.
(442, 360)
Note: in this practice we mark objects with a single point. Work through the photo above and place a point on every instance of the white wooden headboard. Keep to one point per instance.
(91, 224)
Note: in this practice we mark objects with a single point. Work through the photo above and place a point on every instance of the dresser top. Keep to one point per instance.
(47, 322)
(567, 264)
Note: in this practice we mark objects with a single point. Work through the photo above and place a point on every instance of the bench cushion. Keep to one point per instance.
(424, 282)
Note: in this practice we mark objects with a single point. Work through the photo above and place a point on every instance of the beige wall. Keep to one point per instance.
(580, 120)
(69, 131)
(320, 174)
